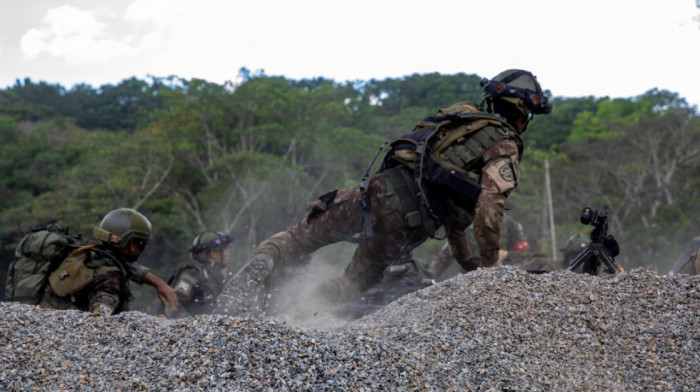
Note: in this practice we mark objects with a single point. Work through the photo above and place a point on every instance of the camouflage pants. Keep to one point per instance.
(337, 216)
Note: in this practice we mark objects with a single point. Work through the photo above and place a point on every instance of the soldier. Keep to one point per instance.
(515, 245)
(199, 282)
(453, 169)
(94, 277)
(576, 244)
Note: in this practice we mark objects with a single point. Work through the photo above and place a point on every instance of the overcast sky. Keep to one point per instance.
(616, 48)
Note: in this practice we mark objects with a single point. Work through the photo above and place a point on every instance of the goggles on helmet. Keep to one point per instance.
(220, 240)
(534, 101)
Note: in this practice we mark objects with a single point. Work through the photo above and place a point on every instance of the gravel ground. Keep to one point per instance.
(490, 330)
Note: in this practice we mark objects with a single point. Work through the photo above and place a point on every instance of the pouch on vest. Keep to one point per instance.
(72, 275)
(421, 148)
(37, 255)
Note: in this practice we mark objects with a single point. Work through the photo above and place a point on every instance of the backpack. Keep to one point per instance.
(37, 255)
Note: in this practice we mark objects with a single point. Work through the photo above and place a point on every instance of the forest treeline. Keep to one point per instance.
(246, 158)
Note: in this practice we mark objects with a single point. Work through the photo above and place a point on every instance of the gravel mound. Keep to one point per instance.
(490, 330)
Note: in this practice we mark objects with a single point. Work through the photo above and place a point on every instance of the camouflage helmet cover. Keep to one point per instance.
(121, 226)
(210, 240)
(519, 87)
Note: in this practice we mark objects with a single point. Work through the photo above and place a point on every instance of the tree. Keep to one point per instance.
(639, 173)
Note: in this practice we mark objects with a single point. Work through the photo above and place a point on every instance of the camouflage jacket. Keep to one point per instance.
(89, 280)
(489, 155)
(196, 286)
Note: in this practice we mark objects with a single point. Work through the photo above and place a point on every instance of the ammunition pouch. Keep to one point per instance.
(400, 180)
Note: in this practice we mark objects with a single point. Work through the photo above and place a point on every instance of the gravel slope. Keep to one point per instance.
(490, 330)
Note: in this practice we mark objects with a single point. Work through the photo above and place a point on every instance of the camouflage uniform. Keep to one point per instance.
(486, 150)
(395, 231)
(95, 277)
(197, 285)
(199, 281)
(513, 239)
(93, 281)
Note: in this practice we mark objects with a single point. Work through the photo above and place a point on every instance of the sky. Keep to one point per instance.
(600, 48)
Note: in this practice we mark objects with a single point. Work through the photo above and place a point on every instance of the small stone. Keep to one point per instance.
(497, 329)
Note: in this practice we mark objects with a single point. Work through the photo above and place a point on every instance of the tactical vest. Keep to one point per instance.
(458, 137)
(445, 154)
(78, 271)
(211, 282)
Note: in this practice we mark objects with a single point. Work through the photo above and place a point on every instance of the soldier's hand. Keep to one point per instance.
(167, 296)
(502, 254)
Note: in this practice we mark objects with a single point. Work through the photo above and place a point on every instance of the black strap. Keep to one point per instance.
(513, 76)
(421, 197)
(364, 184)
(125, 278)
(458, 119)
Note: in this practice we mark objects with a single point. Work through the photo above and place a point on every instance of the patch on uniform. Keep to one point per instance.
(105, 305)
(503, 174)
(506, 172)
(183, 288)
(105, 309)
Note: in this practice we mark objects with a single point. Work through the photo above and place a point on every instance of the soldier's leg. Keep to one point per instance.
(393, 238)
(443, 260)
(332, 216)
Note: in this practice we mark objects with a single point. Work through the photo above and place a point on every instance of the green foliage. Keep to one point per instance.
(245, 159)
(555, 128)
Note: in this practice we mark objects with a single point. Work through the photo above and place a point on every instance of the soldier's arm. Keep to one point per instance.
(461, 251)
(499, 177)
(105, 297)
(142, 275)
(137, 272)
(166, 294)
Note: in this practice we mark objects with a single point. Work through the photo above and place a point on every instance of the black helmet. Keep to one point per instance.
(520, 88)
(210, 240)
(121, 226)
